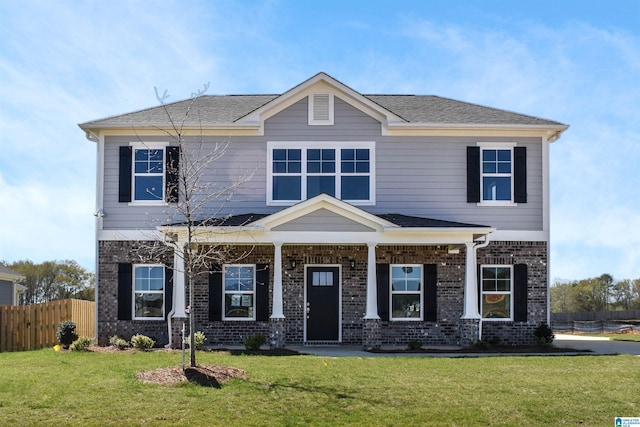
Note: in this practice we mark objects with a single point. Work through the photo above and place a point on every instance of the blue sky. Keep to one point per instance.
(577, 62)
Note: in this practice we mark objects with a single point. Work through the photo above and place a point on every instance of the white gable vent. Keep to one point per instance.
(321, 109)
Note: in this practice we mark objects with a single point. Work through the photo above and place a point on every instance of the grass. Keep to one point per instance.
(74, 388)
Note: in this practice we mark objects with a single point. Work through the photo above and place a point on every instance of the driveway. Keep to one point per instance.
(597, 345)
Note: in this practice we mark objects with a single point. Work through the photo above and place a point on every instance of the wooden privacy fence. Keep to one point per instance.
(30, 327)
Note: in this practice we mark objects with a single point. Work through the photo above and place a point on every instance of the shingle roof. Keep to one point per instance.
(227, 109)
(395, 218)
(419, 222)
(435, 109)
(6, 270)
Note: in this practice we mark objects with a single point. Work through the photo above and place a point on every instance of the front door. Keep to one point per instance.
(323, 304)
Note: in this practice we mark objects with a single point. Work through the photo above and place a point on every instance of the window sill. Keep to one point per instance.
(237, 319)
(493, 319)
(141, 203)
(406, 319)
(496, 204)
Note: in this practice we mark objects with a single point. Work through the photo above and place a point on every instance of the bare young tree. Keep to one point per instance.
(196, 197)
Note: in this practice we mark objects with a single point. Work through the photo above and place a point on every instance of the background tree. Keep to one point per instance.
(197, 197)
(54, 280)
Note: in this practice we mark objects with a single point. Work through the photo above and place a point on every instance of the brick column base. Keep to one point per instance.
(278, 334)
(371, 334)
(176, 331)
(469, 332)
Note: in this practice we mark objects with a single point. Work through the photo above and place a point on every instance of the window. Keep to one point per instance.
(406, 292)
(148, 174)
(496, 283)
(239, 292)
(344, 171)
(148, 291)
(496, 175)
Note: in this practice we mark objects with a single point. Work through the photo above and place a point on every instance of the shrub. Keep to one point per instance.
(66, 333)
(199, 339)
(415, 345)
(544, 334)
(142, 342)
(81, 344)
(254, 342)
(119, 343)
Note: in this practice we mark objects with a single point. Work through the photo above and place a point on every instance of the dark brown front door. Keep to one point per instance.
(323, 304)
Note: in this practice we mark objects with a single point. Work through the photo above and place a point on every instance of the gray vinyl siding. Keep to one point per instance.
(323, 220)
(418, 176)
(6, 292)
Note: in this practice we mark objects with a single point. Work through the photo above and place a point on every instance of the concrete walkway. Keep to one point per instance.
(595, 345)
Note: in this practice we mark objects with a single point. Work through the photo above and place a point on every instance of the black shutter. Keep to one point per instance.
(473, 174)
(215, 293)
(124, 189)
(520, 174)
(168, 290)
(173, 169)
(520, 294)
(262, 292)
(124, 291)
(382, 278)
(430, 292)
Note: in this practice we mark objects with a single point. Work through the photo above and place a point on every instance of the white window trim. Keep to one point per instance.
(336, 145)
(133, 291)
(224, 294)
(311, 116)
(138, 145)
(497, 146)
(510, 293)
(392, 292)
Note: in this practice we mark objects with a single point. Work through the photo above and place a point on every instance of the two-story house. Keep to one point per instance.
(370, 219)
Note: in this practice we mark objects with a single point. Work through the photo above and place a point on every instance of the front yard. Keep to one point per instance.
(71, 388)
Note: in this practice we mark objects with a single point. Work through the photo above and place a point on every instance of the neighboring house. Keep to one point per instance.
(372, 220)
(10, 289)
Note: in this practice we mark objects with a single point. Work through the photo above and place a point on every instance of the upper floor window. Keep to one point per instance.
(406, 292)
(239, 289)
(342, 170)
(497, 288)
(496, 174)
(148, 291)
(148, 174)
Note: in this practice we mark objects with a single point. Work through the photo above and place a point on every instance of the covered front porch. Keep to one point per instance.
(328, 268)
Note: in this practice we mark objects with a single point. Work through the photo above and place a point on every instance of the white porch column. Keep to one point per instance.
(277, 312)
(178, 284)
(372, 289)
(471, 284)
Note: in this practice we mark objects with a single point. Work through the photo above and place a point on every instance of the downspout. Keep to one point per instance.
(475, 250)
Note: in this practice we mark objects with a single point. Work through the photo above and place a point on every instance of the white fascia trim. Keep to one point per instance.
(11, 277)
(326, 84)
(520, 236)
(129, 235)
(327, 202)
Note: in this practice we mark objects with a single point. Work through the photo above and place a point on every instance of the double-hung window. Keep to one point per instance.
(148, 291)
(239, 287)
(497, 288)
(406, 292)
(148, 174)
(497, 168)
(299, 171)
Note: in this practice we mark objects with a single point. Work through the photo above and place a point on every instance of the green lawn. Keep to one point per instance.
(44, 387)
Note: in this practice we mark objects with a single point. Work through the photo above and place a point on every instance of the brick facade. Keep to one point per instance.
(447, 329)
